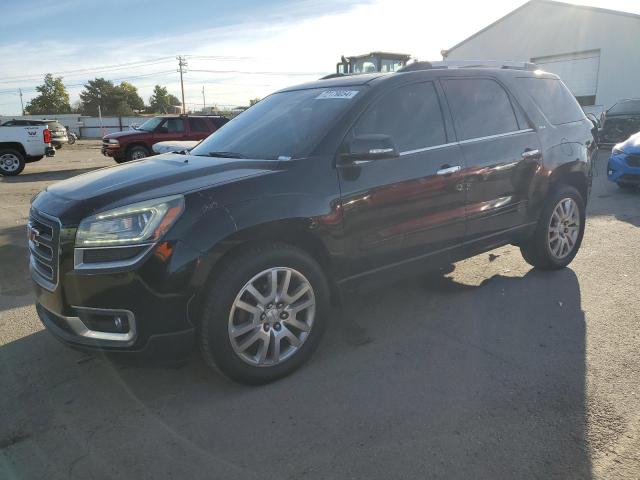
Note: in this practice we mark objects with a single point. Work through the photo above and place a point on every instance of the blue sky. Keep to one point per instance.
(299, 39)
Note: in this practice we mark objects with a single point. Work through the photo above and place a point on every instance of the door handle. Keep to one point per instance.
(530, 153)
(446, 170)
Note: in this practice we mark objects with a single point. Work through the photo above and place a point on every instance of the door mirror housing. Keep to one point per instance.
(162, 129)
(369, 147)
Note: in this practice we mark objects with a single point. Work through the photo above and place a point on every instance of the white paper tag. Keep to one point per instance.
(346, 94)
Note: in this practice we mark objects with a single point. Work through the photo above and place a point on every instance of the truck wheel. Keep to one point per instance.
(137, 152)
(11, 162)
(264, 314)
(558, 234)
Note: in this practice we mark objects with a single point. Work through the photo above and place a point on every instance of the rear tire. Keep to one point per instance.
(11, 162)
(558, 234)
(625, 186)
(239, 331)
(137, 152)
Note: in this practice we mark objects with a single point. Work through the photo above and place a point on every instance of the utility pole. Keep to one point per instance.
(21, 103)
(181, 64)
(204, 105)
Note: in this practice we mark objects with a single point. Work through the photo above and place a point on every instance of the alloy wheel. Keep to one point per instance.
(564, 228)
(272, 316)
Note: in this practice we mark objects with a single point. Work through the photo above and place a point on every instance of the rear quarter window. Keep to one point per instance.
(554, 99)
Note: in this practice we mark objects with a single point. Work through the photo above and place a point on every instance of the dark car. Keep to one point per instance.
(137, 143)
(620, 121)
(320, 190)
(58, 131)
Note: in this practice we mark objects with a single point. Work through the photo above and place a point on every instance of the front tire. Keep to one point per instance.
(137, 152)
(265, 313)
(558, 234)
(11, 162)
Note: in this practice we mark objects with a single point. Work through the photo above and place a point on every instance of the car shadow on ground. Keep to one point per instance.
(15, 281)
(52, 176)
(427, 378)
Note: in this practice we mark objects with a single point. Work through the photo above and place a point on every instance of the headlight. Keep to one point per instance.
(130, 225)
(113, 141)
(617, 150)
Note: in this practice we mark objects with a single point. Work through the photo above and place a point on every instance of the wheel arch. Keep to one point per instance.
(295, 232)
(14, 146)
(573, 175)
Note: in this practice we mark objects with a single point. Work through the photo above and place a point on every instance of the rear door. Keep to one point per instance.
(198, 128)
(501, 151)
(403, 208)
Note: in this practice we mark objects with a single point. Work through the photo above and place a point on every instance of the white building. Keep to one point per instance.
(595, 51)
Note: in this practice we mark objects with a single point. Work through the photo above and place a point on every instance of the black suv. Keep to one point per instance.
(243, 245)
(621, 121)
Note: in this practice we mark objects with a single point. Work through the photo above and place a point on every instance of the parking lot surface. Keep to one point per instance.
(487, 370)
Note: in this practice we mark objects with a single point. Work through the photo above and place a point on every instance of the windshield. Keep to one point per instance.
(151, 124)
(627, 107)
(283, 125)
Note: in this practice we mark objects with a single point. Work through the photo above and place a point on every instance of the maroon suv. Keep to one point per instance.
(137, 143)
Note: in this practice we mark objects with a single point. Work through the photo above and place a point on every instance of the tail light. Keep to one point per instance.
(47, 135)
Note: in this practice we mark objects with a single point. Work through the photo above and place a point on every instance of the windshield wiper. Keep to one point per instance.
(226, 155)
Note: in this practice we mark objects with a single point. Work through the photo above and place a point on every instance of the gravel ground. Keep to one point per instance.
(489, 370)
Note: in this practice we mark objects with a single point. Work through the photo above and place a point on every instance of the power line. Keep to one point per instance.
(141, 63)
(287, 74)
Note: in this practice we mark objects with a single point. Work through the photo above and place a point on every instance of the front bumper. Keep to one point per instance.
(173, 346)
(113, 152)
(619, 169)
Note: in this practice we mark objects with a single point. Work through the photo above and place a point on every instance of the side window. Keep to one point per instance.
(410, 115)
(480, 106)
(198, 125)
(174, 125)
(554, 99)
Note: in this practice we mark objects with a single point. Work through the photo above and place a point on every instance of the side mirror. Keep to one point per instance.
(162, 130)
(369, 147)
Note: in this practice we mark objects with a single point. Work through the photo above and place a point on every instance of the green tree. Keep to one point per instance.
(53, 98)
(161, 100)
(131, 97)
(113, 99)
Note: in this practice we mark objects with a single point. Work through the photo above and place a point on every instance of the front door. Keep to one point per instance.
(501, 151)
(400, 209)
(172, 128)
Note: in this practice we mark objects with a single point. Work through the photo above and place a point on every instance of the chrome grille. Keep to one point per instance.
(43, 234)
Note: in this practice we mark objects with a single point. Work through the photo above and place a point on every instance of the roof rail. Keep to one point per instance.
(469, 64)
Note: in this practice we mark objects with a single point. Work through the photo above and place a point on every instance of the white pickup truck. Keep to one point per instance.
(21, 145)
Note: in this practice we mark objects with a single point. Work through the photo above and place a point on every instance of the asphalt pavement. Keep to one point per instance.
(489, 369)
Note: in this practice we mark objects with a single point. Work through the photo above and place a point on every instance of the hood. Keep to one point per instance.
(631, 145)
(154, 177)
(126, 133)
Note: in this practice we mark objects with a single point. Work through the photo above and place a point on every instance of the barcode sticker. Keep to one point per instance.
(346, 94)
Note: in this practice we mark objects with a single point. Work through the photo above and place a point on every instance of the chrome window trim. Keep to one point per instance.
(79, 264)
(499, 135)
(426, 149)
(80, 329)
(462, 142)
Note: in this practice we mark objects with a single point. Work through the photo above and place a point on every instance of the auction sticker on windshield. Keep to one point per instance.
(347, 94)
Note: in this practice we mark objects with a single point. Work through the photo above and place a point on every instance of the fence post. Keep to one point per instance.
(120, 122)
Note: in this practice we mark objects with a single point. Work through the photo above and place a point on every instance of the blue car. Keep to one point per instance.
(624, 164)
